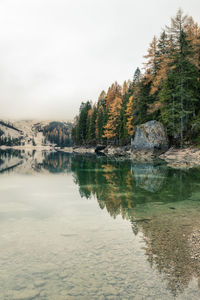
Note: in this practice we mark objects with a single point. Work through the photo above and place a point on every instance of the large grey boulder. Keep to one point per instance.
(150, 136)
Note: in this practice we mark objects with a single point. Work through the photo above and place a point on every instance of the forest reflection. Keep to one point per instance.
(160, 202)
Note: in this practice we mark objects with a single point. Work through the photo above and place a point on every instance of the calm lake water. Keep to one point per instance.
(79, 227)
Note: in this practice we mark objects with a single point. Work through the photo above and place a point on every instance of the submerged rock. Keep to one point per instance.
(148, 176)
(150, 136)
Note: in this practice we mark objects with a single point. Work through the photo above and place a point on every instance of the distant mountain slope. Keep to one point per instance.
(35, 133)
(9, 134)
(58, 133)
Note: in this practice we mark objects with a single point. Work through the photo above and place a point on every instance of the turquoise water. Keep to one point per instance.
(86, 227)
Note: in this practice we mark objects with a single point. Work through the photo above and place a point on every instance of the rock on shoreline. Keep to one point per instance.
(150, 136)
(182, 158)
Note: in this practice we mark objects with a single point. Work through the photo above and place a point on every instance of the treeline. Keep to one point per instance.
(58, 133)
(8, 141)
(167, 90)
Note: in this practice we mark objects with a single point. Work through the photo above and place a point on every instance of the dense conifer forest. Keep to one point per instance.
(58, 133)
(167, 89)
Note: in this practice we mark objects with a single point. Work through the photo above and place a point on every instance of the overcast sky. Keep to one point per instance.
(54, 54)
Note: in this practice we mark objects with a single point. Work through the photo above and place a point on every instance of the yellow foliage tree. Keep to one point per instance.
(102, 96)
(124, 88)
(129, 113)
(193, 34)
(150, 65)
(114, 91)
(111, 128)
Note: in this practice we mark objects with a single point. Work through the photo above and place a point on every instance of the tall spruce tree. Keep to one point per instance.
(180, 90)
(91, 132)
(82, 124)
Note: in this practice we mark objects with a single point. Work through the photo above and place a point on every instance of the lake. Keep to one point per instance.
(87, 227)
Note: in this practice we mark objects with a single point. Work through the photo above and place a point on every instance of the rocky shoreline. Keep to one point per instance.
(182, 158)
(176, 158)
(149, 142)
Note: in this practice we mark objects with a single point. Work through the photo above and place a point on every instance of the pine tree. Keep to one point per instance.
(101, 117)
(91, 133)
(163, 57)
(137, 76)
(179, 94)
(83, 120)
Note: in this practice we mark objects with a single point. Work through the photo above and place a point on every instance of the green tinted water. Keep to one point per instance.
(75, 227)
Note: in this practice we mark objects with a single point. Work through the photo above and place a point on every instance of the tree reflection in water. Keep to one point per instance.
(159, 202)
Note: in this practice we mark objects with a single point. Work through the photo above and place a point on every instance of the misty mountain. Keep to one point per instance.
(31, 134)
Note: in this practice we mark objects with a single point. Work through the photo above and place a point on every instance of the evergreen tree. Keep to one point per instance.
(101, 117)
(83, 122)
(91, 133)
(180, 91)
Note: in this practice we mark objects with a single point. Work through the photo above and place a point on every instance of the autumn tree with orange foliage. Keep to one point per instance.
(129, 113)
(112, 127)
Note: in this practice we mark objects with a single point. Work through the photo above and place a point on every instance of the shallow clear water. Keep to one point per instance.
(74, 227)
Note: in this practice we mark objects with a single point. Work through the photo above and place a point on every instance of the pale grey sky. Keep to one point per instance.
(56, 53)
